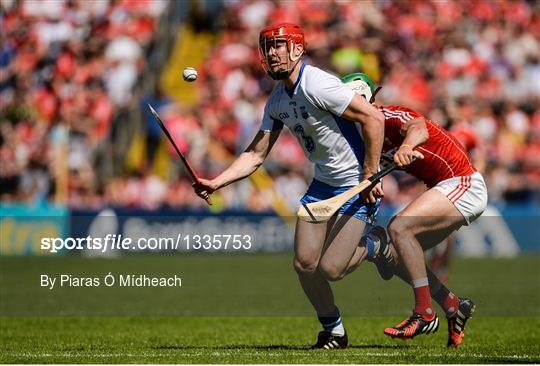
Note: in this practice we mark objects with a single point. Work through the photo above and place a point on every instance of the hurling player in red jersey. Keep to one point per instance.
(441, 255)
(456, 196)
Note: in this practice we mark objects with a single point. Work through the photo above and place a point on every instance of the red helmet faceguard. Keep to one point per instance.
(290, 33)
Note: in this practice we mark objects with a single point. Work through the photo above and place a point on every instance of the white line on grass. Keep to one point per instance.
(265, 354)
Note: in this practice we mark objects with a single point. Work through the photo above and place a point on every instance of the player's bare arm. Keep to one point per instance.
(372, 122)
(243, 166)
(416, 134)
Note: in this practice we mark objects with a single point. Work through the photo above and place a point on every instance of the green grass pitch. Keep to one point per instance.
(250, 309)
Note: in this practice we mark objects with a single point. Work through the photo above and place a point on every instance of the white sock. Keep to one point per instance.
(338, 330)
(333, 324)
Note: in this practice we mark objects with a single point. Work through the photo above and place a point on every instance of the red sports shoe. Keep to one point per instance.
(456, 323)
(413, 326)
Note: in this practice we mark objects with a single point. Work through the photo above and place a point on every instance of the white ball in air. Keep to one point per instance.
(189, 74)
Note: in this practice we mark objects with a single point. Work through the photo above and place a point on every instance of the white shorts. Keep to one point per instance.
(468, 194)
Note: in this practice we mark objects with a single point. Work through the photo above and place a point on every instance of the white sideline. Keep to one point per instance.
(269, 354)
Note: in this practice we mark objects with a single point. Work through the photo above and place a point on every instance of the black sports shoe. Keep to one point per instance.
(456, 322)
(413, 326)
(383, 260)
(326, 340)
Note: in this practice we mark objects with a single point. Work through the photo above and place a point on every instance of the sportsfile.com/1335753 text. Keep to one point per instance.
(182, 242)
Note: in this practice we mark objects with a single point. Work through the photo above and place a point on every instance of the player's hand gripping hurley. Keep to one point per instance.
(194, 178)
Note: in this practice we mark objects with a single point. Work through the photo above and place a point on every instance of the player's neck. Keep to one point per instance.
(293, 77)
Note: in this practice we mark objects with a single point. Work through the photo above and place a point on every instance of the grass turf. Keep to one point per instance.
(254, 340)
(205, 320)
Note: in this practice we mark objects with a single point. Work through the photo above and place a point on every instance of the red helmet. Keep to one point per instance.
(288, 32)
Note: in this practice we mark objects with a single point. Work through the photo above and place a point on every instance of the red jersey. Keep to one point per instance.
(466, 135)
(444, 156)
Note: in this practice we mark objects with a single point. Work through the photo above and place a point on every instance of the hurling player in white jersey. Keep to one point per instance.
(321, 112)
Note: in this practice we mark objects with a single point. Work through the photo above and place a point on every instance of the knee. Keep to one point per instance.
(304, 266)
(397, 229)
(331, 272)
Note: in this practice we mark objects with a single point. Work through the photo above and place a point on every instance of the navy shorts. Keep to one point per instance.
(356, 206)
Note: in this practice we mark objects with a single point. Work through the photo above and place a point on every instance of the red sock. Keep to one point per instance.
(451, 304)
(423, 302)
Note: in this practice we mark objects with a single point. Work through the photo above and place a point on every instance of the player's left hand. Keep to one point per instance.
(406, 155)
(373, 194)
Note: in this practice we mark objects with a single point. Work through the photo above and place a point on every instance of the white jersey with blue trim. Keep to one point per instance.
(312, 112)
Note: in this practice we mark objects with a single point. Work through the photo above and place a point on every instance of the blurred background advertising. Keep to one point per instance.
(77, 140)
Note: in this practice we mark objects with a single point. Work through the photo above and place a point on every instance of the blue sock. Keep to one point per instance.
(373, 243)
(370, 246)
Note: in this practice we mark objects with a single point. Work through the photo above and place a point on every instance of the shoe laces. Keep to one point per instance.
(410, 321)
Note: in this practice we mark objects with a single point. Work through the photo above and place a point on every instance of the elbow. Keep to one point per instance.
(249, 161)
(380, 120)
(257, 164)
(257, 160)
(376, 124)
(380, 117)
(373, 121)
(377, 119)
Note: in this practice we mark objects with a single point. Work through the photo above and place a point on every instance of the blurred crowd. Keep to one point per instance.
(68, 67)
